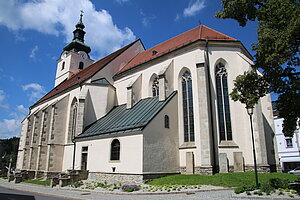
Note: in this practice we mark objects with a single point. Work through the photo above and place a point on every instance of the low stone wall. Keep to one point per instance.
(50, 175)
(204, 170)
(261, 169)
(199, 170)
(111, 178)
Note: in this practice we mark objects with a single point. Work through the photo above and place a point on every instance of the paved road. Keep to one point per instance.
(21, 191)
(10, 194)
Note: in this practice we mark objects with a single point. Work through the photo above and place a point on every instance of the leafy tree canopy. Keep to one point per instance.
(277, 49)
(249, 88)
(8, 149)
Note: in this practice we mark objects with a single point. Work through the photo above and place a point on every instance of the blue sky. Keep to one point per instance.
(34, 32)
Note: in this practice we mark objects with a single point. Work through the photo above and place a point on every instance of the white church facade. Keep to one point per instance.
(137, 113)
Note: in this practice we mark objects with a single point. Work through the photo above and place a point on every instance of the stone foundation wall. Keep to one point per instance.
(111, 178)
(137, 179)
(261, 169)
(199, 170)
(49, 175)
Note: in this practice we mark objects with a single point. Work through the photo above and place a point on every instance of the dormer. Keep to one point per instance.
(75, 56)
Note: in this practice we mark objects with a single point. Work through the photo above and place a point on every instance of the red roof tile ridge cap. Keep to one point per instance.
(219, 32)
(193, 29)
(200, 31)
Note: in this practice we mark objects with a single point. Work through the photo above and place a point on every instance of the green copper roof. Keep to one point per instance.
(77, 43)
(123, 120)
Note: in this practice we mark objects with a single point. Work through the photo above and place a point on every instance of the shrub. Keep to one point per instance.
(102, 185)
(278, 183)
(130, 188)
(77, 184)
(244, 188)
(267, 188)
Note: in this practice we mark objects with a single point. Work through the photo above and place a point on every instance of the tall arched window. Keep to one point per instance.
(188, 112)
(223, 103)
(115, 150)
(73, 120)
(80, 65)
(155, 87)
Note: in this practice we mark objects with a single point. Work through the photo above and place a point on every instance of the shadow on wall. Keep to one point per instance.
(90, 114)
(269, 135)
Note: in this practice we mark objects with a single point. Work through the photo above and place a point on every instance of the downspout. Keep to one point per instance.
(74, 144)
(211, 110)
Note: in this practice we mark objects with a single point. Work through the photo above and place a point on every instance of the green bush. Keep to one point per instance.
(279, 183)
(267, 188)
(244, 188)
(102, 185)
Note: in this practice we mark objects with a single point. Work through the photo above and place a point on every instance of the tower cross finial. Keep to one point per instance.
(81, 13)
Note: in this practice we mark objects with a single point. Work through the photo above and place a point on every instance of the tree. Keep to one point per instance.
(8, 149)
(249, 88)
(277, 49)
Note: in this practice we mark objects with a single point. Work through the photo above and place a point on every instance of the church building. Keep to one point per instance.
(142, 113)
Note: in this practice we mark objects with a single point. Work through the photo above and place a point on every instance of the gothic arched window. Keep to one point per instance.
(223, 103)
(187, 103)
(115, 150)
(73, 120)
(155, 87)
(80, 65)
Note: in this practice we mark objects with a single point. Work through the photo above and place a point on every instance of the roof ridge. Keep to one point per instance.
(76, 77)
(173, 38)
(198, 33)
(226, 36)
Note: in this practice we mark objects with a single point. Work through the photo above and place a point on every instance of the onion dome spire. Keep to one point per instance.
(77, 43)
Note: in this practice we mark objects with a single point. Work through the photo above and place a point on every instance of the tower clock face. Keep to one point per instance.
(83, 55)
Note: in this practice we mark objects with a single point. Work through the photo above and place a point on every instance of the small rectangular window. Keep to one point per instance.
(289, 142)
(84, 149)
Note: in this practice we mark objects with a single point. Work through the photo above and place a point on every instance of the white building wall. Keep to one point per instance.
(131, 154)
(285, 153)
(187, 58)
(160, 145)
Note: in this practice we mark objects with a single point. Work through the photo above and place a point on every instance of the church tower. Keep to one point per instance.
(75, 56)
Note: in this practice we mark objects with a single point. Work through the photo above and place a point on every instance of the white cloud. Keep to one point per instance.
(193, 8)
(11, 127)
(35, 91)
(58, 17)
(122, 1)
(33, 51)
(2, 97)
(146, 19)
(177, 18)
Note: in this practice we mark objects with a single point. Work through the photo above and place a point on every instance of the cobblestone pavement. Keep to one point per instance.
(73, 194)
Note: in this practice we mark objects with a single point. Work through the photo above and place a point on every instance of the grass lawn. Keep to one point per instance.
(225, 180)
(38, 181)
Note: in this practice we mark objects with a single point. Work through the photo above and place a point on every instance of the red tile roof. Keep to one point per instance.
(83, 75)
(199, 33)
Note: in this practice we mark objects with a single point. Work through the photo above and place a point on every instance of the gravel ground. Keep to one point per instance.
(81, 194)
